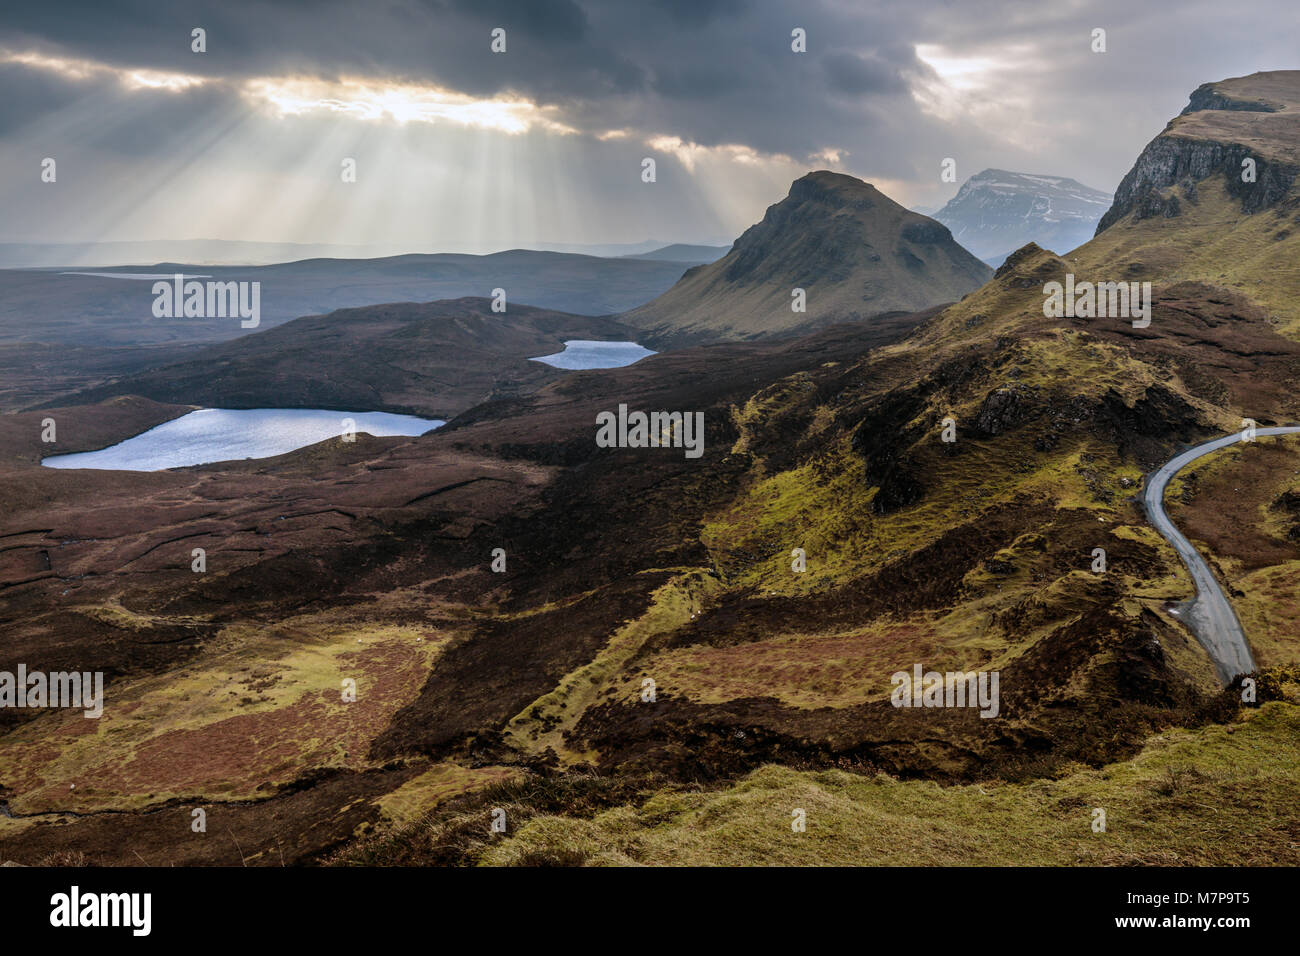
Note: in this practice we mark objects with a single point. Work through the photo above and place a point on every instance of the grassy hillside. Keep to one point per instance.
(1215, 796)
(853, 251)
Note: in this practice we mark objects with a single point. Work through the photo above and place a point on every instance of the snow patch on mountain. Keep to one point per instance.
(995, 212)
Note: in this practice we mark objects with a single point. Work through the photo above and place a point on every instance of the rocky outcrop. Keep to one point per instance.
(1209, 96)
(1013, 261)
(1006, 408)
(883, 438)
(1211, 138)
(1171, 160)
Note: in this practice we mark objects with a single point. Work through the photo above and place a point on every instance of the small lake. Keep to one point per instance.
(225, 434)
(583, 353)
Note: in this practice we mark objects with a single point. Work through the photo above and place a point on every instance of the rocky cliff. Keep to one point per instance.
(1212, 137)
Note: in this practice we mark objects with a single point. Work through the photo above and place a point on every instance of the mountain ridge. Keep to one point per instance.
(853, 250)
(997, 211)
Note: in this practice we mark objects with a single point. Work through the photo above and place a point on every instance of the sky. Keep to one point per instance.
(460, 148)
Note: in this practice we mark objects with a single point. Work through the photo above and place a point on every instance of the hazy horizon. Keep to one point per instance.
(137, 253)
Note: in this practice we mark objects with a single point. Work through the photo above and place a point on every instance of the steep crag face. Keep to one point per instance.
(1215, 199)
(1219, 129)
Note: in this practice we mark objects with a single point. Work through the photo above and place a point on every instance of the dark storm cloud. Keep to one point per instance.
(712, 72)
(695, 82)
(601, 60)
(560, 20)
(550, 49)
(695, 13)
(853, 74)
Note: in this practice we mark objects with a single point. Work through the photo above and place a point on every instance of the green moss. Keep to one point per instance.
(1219, 795)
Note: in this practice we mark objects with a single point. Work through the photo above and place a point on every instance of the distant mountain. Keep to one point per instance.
(227, 252)
(996, 212)
(93, 309)
(854, 251)
(49, 255)
(681, 252)
(609, 249)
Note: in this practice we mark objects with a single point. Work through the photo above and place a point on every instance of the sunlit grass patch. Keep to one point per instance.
(256, 710)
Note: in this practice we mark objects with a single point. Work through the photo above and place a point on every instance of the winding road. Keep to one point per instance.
(1209, 615)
